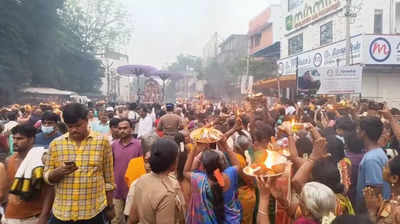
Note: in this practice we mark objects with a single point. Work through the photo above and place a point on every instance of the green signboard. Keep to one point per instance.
(309, 12)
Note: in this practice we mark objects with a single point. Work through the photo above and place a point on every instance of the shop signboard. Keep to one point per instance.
(331, 55)
(380, 49)
(310, 11)
(330, 80)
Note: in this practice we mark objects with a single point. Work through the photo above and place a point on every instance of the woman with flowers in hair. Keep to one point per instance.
(214, 189)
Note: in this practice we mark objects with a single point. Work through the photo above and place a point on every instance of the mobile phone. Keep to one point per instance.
(70, 163)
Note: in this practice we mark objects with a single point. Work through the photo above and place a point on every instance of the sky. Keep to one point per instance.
(164, 29)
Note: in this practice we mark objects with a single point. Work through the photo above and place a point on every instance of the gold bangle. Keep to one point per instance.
(262, 212)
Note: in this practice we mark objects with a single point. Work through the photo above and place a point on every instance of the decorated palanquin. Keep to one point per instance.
(152, 92)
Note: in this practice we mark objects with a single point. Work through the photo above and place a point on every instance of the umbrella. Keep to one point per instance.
(164, 75)
(136, 70)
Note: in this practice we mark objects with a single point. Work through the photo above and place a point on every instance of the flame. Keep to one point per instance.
(269, 161)
(292, 123)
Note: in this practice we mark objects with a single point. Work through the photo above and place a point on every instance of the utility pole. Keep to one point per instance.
(348, 34)
(349, 14)
(216, 45)
(247, 66)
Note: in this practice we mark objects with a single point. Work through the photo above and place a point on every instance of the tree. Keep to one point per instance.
(222, 75)
(218, 80)
(99, 24)
(27, 42)
(186, 62)
(38, 48)
(57, 57)
(262, 68)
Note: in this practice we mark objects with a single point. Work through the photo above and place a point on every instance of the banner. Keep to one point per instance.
(327, 56)
(243, 84)
(250, 85)
(246, 84)
(330, 80)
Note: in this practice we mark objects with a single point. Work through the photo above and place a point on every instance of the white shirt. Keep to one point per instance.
(132, 115)
(145, 125)
(10, 125)
(290, 110)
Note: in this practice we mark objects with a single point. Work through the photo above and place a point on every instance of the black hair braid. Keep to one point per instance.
(218, 202)
(211, 163)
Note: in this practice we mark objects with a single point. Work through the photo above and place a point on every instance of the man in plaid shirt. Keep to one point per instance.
(80, 166)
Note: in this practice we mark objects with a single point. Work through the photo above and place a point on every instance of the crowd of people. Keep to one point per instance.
(125, 164)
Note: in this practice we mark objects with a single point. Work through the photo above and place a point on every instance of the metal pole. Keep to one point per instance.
(137, 89)
(297, 76)
(247, 66)
(163, 89)
(348, 34)
(108, 81)
(279, 88)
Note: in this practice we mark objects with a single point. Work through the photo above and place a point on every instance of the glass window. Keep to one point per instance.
(292, 4)
(378, 21)
(296, 44)
(326, 34)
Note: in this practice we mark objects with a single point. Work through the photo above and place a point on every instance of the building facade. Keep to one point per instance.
(189, 86)
(233, 48)
(264, 47)
(114, 86)
(210, 49)
(314, 35)
(265, 29)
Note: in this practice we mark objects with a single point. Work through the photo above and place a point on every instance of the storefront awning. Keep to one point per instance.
(287, 81)
(273, 50)
(47, 91)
